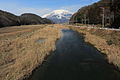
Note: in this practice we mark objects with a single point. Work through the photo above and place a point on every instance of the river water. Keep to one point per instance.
(75, 59)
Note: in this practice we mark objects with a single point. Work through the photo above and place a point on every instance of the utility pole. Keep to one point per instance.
(76, 21)
(82, 21)
(85, 19)
(88, 20)
(113, 12)
(103, 16)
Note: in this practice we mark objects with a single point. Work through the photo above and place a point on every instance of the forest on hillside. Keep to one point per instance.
(9, 19)
(105, 12)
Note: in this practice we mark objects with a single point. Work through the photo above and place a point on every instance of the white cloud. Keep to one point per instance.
(33, 10)
(19, 9)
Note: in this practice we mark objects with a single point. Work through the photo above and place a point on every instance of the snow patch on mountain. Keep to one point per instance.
(59, 16)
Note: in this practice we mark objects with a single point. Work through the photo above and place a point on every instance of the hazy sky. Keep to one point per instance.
(42, 7)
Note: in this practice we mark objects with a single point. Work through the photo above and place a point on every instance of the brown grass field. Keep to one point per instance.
(23, 48)
(106, 41)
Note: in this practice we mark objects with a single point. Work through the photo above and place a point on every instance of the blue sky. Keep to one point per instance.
(41, 7)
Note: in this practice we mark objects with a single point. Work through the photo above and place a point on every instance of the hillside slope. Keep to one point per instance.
(28, 19)
(9, 19)
(94, 13)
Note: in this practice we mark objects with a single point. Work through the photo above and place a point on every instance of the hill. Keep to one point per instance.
(94, 13)
(9, 19)
(28, 19)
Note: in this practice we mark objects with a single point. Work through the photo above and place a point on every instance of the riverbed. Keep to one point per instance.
(75, 59)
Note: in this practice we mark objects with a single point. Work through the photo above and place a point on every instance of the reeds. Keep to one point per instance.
(19, 55)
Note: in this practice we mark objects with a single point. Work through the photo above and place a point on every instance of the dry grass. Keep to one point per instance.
(100, 38)
(112, 37)
(20, 50)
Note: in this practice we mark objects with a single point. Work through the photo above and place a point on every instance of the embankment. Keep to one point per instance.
(23, 48)
(106, 41)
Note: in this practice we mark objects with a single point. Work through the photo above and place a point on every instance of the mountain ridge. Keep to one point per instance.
(59, 16)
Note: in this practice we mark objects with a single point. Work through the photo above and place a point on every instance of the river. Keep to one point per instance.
(75, 59)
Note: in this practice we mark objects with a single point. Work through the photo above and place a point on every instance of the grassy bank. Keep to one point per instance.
(23, 48)
(106, 41)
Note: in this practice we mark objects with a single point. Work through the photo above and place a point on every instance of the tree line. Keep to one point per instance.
(104, 12)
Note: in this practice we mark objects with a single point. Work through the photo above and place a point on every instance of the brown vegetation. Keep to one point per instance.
(106, 41)
(21, 50)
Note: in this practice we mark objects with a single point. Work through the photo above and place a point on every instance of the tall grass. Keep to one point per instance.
(20, 55)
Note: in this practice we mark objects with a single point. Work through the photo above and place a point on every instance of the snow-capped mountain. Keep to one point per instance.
(59, 16)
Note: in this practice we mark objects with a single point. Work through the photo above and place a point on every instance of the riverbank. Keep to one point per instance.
(23, 48)
(106, 41)
(74, 59)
